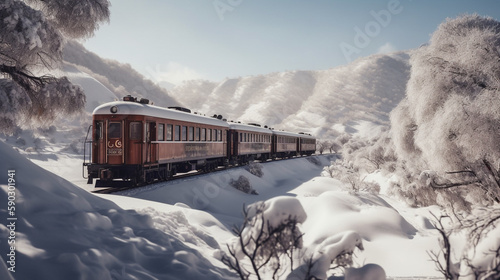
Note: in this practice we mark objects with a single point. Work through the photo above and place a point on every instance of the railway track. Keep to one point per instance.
(109, 190)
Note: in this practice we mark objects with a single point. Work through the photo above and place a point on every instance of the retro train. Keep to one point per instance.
(134, 143)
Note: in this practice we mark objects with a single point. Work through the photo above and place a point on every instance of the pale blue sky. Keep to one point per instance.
(173, 40)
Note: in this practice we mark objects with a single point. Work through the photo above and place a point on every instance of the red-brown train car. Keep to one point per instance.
(307, 144)
(136, 142)
(285, 144)
(249, 142)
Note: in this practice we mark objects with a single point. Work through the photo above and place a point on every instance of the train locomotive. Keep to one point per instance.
(133, 142)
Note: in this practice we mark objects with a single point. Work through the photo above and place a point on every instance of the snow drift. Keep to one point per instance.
(64, 232)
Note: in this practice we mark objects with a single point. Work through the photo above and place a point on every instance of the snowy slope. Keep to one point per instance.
(64, 232)
(118, 77)
(95, 92)
(174, 230)
(389, 229)
(322, 102)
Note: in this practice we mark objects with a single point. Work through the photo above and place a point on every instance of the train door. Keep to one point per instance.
(98, 148)
(114, 143)
(134, 145)
(234, 143)
(151, 147)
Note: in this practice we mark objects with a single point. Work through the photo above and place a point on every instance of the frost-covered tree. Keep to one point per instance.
(269, 234)
(32, 36)
(449, 120)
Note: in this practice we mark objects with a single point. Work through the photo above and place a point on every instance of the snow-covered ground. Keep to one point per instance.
(175, 230)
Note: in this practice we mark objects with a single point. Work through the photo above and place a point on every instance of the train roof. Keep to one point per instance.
(305, 135)
(293, 134)
(286, 133)
(135, 108)
(249, 127)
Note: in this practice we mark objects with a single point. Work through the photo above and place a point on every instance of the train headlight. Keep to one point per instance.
(113, 109)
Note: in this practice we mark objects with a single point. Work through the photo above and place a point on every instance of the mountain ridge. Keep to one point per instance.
(322, 102)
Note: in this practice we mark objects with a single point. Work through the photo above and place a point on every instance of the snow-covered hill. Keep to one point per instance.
(63, 232)
(176, 230)
(322, 102)
(121, 79)
(95, 92)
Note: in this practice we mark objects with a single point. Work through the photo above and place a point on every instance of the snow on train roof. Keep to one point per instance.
(293, 134)
(134, 108)
(286, 133)
(248, 127)
(307, 136)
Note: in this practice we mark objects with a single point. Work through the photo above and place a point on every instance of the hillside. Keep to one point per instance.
(119, 78)
(325, 102)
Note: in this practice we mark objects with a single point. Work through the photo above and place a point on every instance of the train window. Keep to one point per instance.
(219, 132)
(209, 134)
(177, 135)
(135, 130)
(151, 132)
(203, 134)
(161, 132)
(191, 133)
(197, 134)
(98, 130)
(169, 132)
(184, 133)
(214, 135)
(114, 130)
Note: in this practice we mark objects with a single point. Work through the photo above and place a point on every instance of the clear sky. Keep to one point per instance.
(175, 40)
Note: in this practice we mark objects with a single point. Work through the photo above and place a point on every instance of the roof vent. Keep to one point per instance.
(182, 109)
(144, 101)
(129, 98)
(255, 124)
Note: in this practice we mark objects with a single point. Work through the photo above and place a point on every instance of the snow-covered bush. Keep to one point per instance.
(336, 250)
(269, 234)
(346, 173)
(243, 184)
(314, 160)
(269, 244)
(255, 168)
(480, 258)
